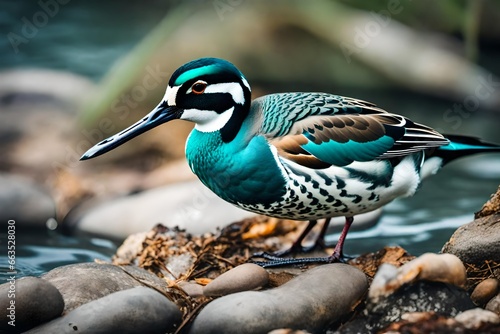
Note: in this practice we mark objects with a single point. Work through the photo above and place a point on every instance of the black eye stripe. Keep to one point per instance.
(218, 102)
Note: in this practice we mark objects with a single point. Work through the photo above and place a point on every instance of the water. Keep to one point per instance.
(83, 37)
(38, 251)
(87, 37)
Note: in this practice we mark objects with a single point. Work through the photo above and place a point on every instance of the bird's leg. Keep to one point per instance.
(295, 248)
(320, 239)
(337, 255)
(297, 244)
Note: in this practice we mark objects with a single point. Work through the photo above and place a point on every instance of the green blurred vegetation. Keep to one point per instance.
(317, 40)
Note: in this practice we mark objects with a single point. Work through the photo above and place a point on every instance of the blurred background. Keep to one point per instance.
(74, 72)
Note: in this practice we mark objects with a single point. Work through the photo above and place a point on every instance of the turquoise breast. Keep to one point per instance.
(240, 171)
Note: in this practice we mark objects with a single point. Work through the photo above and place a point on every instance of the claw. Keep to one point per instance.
(276, 259)
(279, 262)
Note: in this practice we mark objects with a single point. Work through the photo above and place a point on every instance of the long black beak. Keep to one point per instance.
(159, 115)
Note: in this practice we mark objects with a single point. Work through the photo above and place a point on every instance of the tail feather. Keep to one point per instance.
(461, 146)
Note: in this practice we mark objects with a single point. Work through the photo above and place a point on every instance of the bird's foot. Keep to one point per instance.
(340, 257)
(296, 248)
(277, 261)
(274, 261)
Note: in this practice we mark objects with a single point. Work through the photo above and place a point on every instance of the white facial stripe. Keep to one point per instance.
(171, 94)
(207, 120)
(232, 88)
(245, 82)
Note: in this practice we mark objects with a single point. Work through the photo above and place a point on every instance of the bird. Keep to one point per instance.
(296, 155)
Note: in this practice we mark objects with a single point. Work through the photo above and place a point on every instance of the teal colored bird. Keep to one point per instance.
(301, 156)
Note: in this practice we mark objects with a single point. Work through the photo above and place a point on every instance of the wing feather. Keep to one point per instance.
(319, 130)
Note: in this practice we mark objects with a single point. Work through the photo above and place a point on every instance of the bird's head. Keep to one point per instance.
(210, 92)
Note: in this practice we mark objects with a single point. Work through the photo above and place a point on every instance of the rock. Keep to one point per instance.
(136, 310)
(484, 291)
(130, 248)
(65, 86)
(287, 331)
(188, 205)
(476, 241)
(178, 265)
(445, 268)
(84, 282)
(33, 101)
(191, 288)
(25, 202)
(421, 296)
(438, 298)
(424, 322)
(491, 207)
(494, 305)
(247, 276)
(31, 301)
(310, 302)
(473, 319)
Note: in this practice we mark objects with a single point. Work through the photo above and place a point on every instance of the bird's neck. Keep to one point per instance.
(242, 170)
(233, 126)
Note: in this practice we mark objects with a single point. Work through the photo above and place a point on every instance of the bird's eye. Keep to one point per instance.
(199, 87)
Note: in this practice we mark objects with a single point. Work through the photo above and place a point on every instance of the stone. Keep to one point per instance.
(421, 296)
(188, 205)
(491, 207)
(84, 282)
(247, 276)
(136, 310)
(310, 301)
(446, 268)
(287, 331)
(424, 322)
(64, 86)
(484, 291)
(130, 248)
(191, 288)
(32, 101)
(30, 302)
(473, 319)
(24, 201)
(476, 241)
(494, 305)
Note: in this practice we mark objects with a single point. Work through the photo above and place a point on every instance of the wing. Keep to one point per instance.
(323, 130)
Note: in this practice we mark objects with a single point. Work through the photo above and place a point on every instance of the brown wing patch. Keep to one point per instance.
(321, 129)
(290, 147)
(342, 128)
